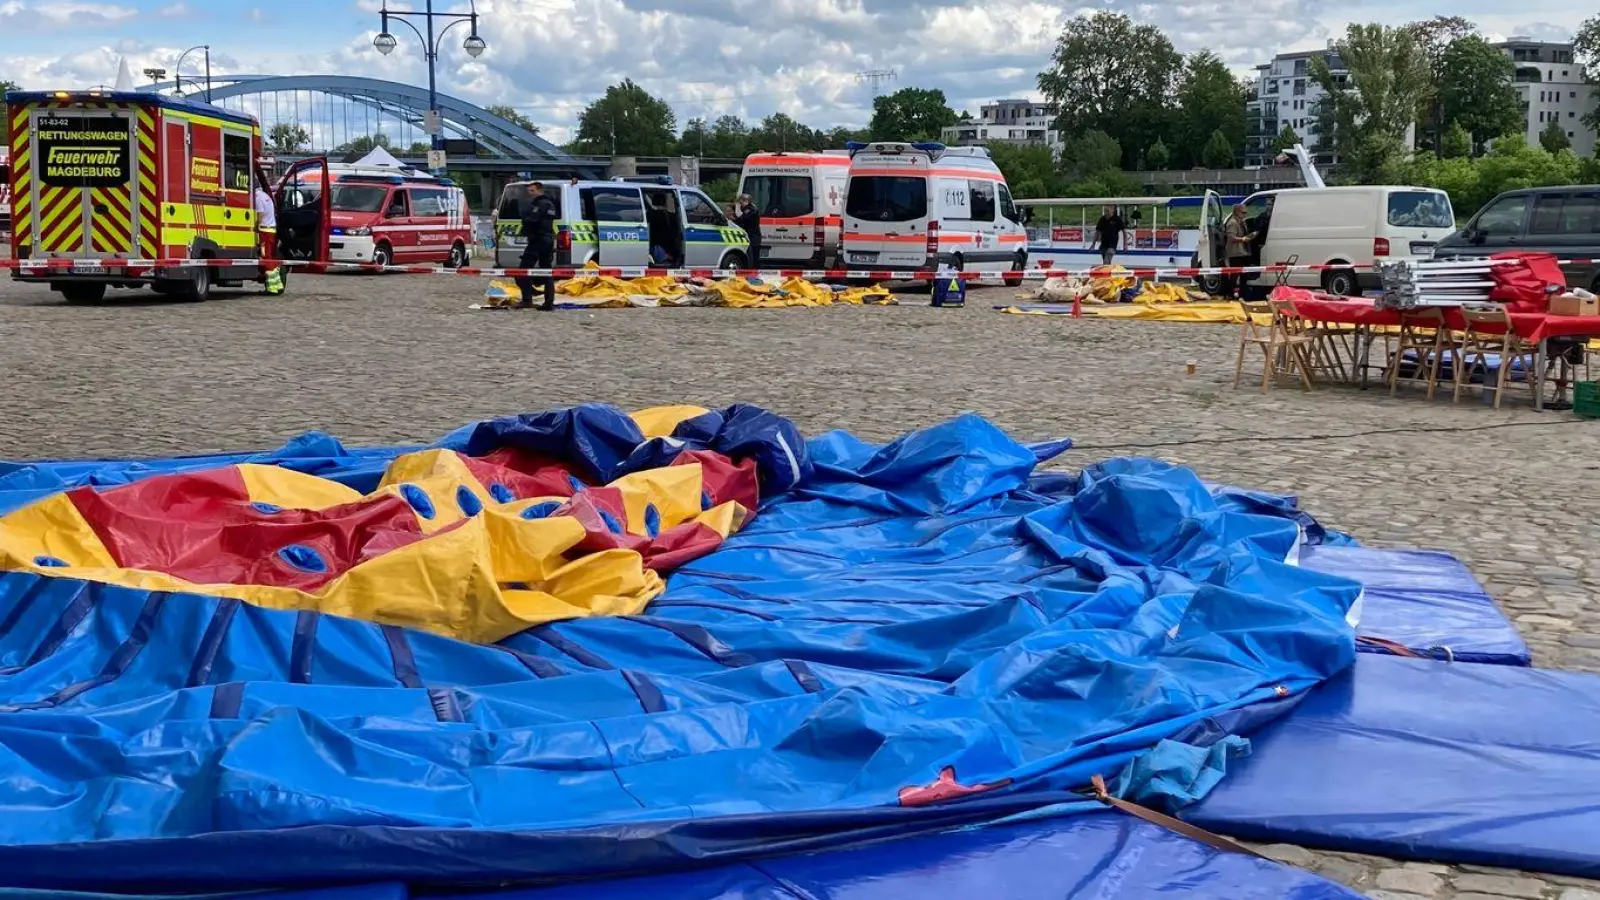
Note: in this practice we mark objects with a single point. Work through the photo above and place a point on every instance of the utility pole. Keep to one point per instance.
(876, 78)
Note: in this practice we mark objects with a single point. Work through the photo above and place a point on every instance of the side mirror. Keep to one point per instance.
(1475, 235)
(393, 213)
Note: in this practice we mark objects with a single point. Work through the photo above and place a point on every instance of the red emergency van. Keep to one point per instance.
(386, 219)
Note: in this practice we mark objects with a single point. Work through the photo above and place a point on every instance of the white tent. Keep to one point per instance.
(380, 157)
(124, 77)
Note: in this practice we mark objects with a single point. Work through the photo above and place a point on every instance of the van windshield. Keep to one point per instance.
(886, 198)
(358, 198)
(780, 196)
(1421, 209)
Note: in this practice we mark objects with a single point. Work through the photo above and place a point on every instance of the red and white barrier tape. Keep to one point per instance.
(139, 266)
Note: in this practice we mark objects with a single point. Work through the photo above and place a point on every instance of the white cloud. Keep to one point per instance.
(50, 15)
(549, 58)
(174, 11)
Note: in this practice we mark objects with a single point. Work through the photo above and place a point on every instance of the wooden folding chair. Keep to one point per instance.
(1283, 352)
(1489, 334)
(1425, 334)
(1322, 354)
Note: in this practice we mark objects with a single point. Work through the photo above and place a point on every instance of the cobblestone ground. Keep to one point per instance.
(394, 358)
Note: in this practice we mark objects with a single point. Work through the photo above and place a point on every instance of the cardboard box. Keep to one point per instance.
(1573, 305)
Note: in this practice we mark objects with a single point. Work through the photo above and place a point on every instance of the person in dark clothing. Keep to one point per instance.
(1109, 230)
(539, 228)
(749, 218)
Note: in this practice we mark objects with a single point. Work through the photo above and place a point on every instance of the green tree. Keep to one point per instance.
(693, 141)
(1158, 156)
(840, 135)
(781, 132)
(1554, 138)
(1433, 37)
(1091, 153)
(1286, 139)
(1111, 75)
(1218, 152)
(627, 121)
(1210, 100)
(729, 139)
(364, 145)
(1586, 46)
(5, 120)
(1369, 115)
(510, 114)
(910, 114)
(288, 138)
(1030, 169)
(722, 190)
(1456, 143)
(1475, 90)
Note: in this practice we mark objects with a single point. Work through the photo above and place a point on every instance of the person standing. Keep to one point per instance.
(1109, 230)
(267, 234)
(539, 229)
(1236, 238)
(749, 218)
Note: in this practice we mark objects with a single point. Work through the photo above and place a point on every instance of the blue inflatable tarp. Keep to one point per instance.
(919, 635)
(1420, 759)
(1100, 855)
(1425, 601)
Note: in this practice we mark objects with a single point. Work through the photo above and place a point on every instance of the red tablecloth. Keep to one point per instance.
(1363, 311)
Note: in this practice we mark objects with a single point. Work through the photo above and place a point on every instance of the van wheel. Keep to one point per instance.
(85, 294)
(733, 262)
(1340, 283)
(383, 256)
(1211, 284)
(458, 256)
(1017, 266)
(198, 289)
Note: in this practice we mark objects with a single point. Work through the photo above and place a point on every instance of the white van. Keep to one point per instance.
(792, 191)
(1336, 226)
(920, 206)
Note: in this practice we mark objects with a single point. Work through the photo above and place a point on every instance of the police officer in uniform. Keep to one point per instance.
(539, 227)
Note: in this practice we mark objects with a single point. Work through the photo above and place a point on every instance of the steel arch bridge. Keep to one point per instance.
(403, 103)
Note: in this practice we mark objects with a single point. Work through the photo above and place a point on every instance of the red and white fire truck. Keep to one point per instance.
(127, 189)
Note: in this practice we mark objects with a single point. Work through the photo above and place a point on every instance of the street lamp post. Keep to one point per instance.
(385, 43)
(177, 70)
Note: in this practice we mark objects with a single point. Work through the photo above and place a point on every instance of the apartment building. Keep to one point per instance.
(1007, 122)
(1285, 95)
(1552, 88)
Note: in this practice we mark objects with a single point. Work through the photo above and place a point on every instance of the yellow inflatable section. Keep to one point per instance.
(472, 548)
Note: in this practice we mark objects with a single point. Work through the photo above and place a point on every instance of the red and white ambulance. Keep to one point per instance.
(924, 206)
(801, 200)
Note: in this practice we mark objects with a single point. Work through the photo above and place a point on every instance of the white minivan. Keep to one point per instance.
(922, 206)
(800, 197)
(1346, 229)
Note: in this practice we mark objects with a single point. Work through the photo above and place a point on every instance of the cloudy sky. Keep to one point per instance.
(706, 57)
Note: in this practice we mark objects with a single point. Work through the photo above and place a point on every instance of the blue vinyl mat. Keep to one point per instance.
(1420, 759)
(1425, 600)
(1100, 855)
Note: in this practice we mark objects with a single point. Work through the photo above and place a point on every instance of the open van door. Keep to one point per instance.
(305, 205)
(1208, 252)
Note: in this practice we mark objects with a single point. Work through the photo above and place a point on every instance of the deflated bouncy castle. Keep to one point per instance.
(692, 653)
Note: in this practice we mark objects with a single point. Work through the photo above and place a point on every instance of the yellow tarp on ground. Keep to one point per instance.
(608, 292)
